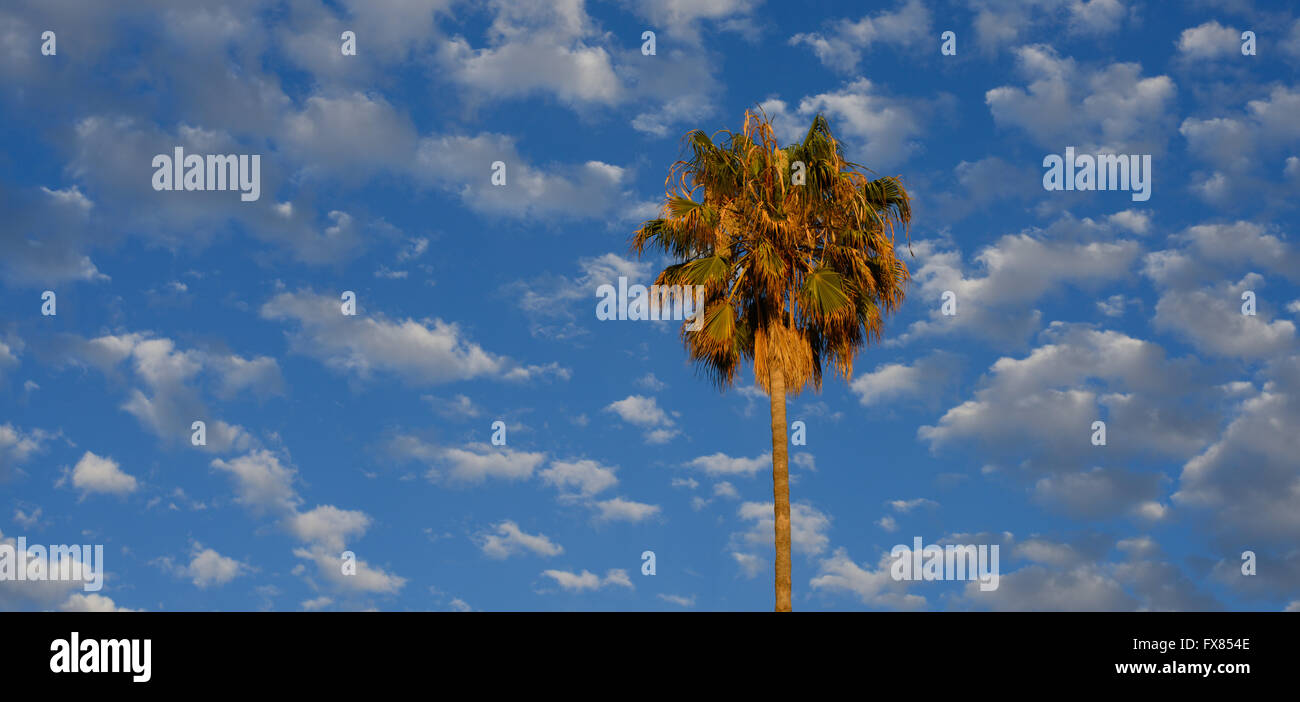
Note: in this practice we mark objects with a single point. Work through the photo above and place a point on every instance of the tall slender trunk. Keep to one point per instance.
(780, 486)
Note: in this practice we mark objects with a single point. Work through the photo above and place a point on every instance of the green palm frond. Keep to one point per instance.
(824, 289)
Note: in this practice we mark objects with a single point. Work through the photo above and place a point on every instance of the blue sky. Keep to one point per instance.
(476, 303)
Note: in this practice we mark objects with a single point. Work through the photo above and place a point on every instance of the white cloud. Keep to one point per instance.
(1110, 110)
(639, 410)
(645, 412)
(26, 520)
(1096, 16)
(587, 476)
(366, 579)
(557, 51)
(535, 47)
(7, 355)
(1204, 251)
(1036, 588)
(427, 352)
(1000, 23)
(1037, 413)
(325, 135)
(45, 595)
(265, 486)
(71, 197)
(1211, 317)
(1076, 577)
(1249, 479)
(1209, 40)
(873, 587)
(16, 446)
(909, 505)
(260, 375)
(574, 74)
(316, 604)
(1242, 149)
(1134, 221)
(550, 301)
(457, 407)
(1114, 305)
(262, 483)
(621, 510)
(683, 17)
(328, 526)
(478, 462)
(510, 540)
(843, 46)
(750, 564)
(927, 378)
(96, 474)
(650, 382)
(587, 580)
(1198, 303)
(1152, 511)
(1018, 269)
(679, 110)
(208, 568)
(463, 165)
(171, 398)
(722, 464)
(1100, 491)
(93, 602)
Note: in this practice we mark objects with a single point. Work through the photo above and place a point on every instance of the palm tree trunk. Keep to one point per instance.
(780, 486)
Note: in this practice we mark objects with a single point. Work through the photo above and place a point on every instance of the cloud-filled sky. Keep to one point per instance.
(475, 304)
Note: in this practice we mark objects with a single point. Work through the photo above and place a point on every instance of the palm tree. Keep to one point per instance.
(795, 249)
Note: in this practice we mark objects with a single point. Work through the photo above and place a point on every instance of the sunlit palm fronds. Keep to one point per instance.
(816, 259)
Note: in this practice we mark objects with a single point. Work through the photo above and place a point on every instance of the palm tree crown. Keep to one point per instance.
(794, 274)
